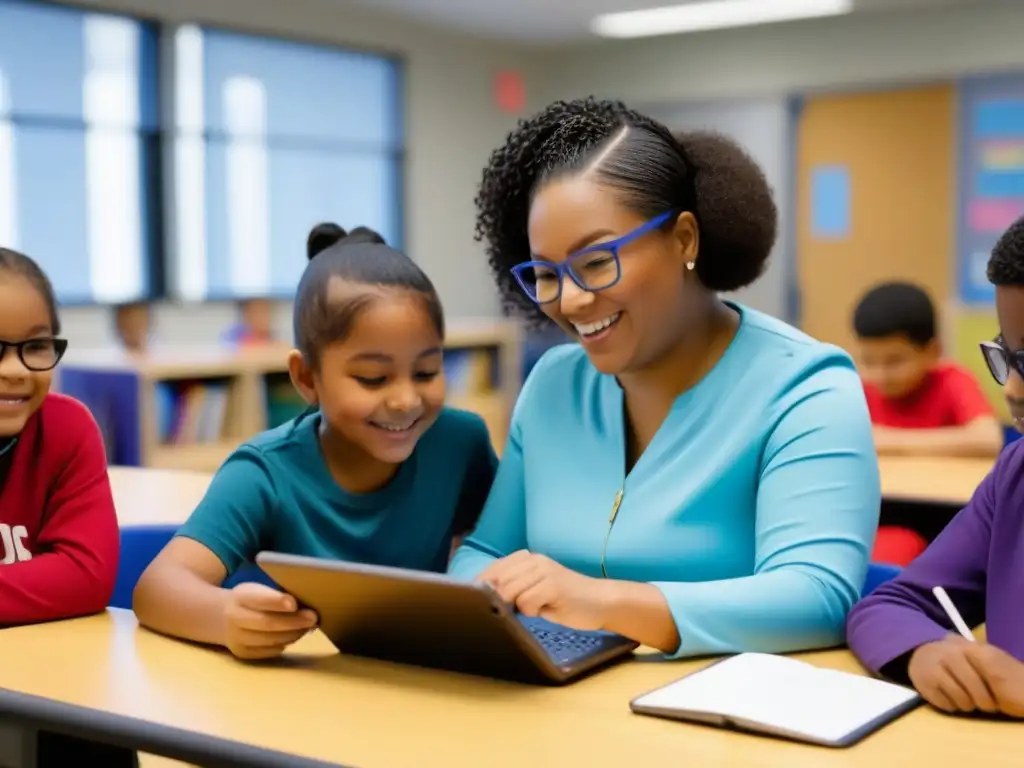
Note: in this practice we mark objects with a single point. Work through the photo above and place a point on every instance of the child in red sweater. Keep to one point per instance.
(920, 405)
(58, 529)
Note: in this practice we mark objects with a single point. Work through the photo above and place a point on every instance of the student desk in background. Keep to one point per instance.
(932, 481)
(156, 496)
(924, 494)
(104, 678)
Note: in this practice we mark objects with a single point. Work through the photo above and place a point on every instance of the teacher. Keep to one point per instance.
(694, 475)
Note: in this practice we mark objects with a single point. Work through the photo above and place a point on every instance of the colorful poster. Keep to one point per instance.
(991, 174)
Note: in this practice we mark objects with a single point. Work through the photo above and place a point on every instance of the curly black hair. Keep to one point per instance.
(1006, 263)
(652, 171)
(896, 309)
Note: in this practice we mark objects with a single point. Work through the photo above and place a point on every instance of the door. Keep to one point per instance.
(886, 161)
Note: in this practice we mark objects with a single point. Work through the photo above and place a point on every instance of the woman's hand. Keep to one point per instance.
(261, 622)
(538, 586)
(957, 675)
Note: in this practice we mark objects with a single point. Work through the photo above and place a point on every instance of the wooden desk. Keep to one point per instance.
(320, 705)
(932, 481)
(156, 496)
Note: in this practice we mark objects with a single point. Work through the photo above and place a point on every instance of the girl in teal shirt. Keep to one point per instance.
(378, 471)
(694, 475)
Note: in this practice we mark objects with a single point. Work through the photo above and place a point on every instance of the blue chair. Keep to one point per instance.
(141, 543)
(1010, 435)
(878, 574)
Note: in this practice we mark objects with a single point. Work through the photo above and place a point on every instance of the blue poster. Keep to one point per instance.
(830, 202)
(991, 175)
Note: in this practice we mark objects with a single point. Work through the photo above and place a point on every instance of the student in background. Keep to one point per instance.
(255, 324)
(920, 404)
(58, 528)
(692, 474)
(133, 325)
(900, 630)
(376, 471)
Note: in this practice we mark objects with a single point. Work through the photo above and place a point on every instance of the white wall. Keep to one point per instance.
(762, 126)
(452, 125)
(709, 77)
(862, 50)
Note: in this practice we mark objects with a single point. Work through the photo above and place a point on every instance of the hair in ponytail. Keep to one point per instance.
(361, 257)
(652, 171)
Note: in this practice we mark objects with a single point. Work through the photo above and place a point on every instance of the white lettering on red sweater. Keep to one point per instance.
(14, 549)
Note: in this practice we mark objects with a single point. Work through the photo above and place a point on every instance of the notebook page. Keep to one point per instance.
(782, 694)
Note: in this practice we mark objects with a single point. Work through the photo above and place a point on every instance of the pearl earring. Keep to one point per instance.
(690, 265)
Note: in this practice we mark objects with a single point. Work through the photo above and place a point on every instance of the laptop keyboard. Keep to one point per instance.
(565, 646)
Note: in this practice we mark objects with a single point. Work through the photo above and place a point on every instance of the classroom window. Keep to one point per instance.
(270, 138)
(78, 148)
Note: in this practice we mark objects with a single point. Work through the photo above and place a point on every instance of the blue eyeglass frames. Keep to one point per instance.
(595, 268)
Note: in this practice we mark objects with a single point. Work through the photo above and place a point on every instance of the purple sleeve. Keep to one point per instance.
(903, 614)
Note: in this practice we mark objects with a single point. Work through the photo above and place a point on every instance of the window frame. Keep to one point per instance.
(398, 154)
(154, 259)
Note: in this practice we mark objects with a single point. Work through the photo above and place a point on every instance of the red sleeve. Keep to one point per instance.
(74, 572)
(967, 398)
(873, 399)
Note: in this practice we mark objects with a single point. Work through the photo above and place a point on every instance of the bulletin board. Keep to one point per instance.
(990, 175)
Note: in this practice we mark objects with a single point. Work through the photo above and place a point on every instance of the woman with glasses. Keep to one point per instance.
(694, 475)
(900, 630)
(58, 529)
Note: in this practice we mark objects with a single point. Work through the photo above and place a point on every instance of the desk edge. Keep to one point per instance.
(77, 721)
(924, 501)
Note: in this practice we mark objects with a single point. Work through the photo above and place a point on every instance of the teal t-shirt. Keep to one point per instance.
(276, 493)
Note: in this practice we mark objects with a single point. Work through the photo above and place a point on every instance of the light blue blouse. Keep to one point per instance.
(753, 510)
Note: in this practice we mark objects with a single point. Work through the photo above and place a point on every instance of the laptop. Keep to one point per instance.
(432, 620)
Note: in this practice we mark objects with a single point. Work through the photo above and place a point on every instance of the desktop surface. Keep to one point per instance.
(318, 704)
(935, 481)
(156, 496)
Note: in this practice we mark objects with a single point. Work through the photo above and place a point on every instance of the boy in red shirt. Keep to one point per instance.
(919, 404)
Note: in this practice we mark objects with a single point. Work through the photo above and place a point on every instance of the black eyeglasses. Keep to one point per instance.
(1000, 360)
(37, 355)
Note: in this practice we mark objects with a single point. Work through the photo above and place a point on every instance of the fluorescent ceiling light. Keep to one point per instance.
(712, 14)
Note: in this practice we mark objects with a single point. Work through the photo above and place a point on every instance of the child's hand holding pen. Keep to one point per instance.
(958, 674)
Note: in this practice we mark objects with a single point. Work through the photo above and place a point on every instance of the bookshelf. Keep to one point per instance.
(188, 408)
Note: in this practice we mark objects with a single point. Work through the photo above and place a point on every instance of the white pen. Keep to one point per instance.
(953, 613)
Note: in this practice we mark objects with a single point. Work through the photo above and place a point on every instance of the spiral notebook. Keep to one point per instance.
(783, 697)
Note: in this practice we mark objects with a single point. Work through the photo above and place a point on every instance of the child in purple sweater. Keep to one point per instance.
(900, 630)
